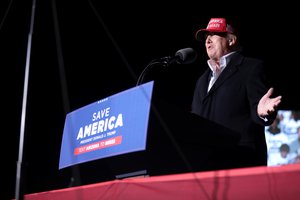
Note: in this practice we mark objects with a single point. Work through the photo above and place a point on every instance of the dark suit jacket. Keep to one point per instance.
(232, 102)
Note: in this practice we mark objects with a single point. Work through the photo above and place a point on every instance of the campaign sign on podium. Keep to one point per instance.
(112, 126)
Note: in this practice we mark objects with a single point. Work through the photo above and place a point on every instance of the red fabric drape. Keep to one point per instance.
(236, 184)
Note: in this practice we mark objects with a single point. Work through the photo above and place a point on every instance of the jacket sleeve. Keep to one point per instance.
(257, 86)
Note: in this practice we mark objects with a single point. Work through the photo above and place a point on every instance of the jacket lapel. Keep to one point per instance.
(230, 69)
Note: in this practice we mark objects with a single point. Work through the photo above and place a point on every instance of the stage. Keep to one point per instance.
(234, 184)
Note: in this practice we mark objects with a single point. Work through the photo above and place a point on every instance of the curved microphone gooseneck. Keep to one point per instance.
(182, 56)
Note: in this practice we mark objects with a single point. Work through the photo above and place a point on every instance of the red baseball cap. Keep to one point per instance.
(218, 25)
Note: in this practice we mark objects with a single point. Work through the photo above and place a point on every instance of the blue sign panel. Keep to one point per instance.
(111, 126)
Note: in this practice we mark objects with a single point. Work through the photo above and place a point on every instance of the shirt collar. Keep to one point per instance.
(224, 60)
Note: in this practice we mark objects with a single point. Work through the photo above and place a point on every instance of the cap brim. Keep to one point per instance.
(200, 34)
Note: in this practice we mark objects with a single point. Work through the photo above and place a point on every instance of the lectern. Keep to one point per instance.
(177, 142)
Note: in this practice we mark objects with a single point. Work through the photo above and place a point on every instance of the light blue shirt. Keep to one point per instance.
(217, 69)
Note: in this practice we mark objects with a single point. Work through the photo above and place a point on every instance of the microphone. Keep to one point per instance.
(182, 56)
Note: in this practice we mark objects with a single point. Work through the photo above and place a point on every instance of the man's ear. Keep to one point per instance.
(232, 40)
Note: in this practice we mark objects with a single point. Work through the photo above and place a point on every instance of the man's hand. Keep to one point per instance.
(268, 105)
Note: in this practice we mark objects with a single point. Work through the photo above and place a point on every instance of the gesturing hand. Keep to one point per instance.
(268, 105)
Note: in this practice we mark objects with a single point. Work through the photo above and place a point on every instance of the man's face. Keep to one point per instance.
(216, 45)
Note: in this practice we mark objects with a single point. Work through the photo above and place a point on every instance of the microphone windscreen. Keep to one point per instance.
(186, 55)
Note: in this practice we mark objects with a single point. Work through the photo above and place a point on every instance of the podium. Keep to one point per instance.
(177, 142)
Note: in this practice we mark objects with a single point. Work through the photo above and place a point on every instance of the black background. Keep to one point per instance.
(104, 48)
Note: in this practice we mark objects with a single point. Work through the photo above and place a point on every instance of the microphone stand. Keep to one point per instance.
(182, 56)
(165, 62)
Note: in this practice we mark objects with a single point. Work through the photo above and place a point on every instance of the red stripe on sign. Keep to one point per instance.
(98, 145)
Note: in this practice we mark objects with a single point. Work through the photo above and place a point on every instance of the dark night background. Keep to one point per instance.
(102, 48)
